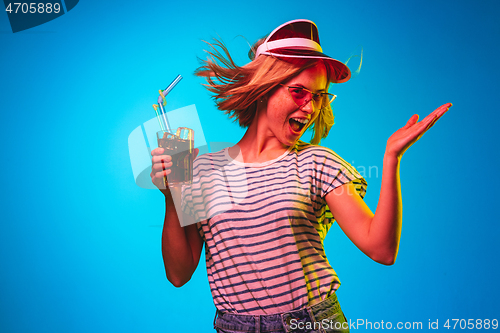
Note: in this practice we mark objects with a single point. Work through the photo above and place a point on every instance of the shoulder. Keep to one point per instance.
(211, 157)
(209, 163)
(331, 170)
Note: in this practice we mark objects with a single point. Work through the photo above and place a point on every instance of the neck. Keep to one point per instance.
(258, 144)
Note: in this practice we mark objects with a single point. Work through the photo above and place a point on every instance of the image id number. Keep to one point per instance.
(471, 324)
(33, 7)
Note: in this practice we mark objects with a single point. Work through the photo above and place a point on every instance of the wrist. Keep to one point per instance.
(391, 158)
(168, 195)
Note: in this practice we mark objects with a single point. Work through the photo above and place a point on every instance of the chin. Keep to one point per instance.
(291, 141)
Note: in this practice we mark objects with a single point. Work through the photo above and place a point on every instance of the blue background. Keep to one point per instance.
(80, 242)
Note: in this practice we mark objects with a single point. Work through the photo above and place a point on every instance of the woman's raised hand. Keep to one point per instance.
(403, 138)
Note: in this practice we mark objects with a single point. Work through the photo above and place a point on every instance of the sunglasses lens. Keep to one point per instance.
(300, 96)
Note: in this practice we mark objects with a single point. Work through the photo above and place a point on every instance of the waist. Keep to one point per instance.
(309, 316)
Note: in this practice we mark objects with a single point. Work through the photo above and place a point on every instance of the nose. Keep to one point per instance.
(308, 106)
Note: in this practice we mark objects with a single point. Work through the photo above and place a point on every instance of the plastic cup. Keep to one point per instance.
(180, 147)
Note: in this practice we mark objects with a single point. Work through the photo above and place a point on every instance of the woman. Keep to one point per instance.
(264, 206)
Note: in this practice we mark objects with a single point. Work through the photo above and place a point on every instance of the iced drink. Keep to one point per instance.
(180, 148)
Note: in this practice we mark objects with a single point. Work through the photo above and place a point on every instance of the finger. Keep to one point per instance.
(433, 122)
(442, 110)
(161, 166)
(162, 174)
(412, 121)
(429, 125)
(156, 177)
(423, 126)
(157, 151)
(157, 180)
(438, 112)
(428, 120)
(416, 132)
(161, 158)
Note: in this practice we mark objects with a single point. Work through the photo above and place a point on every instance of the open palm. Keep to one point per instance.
(403, 138)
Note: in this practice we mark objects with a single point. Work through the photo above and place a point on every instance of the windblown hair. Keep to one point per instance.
(236, 90)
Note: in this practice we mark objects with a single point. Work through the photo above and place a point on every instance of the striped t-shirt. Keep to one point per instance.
(264, 224)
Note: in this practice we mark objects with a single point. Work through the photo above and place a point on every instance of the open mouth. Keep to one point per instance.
(297, 124)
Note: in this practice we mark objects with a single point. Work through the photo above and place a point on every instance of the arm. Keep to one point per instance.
(378, 235)
(181, 246)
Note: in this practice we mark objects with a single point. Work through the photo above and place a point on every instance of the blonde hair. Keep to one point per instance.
(236, 89)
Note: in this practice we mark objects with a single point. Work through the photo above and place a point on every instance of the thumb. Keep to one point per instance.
(195, 152)
(412, 121)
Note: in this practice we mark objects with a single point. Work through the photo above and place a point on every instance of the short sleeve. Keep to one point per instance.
(330, 171)
(337, 172)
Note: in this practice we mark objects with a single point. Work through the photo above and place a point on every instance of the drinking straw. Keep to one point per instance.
(162, 101)
(164, 116)
(169, 88)
(158, 117)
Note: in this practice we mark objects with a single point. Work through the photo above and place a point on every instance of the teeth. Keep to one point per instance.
(302, 121)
